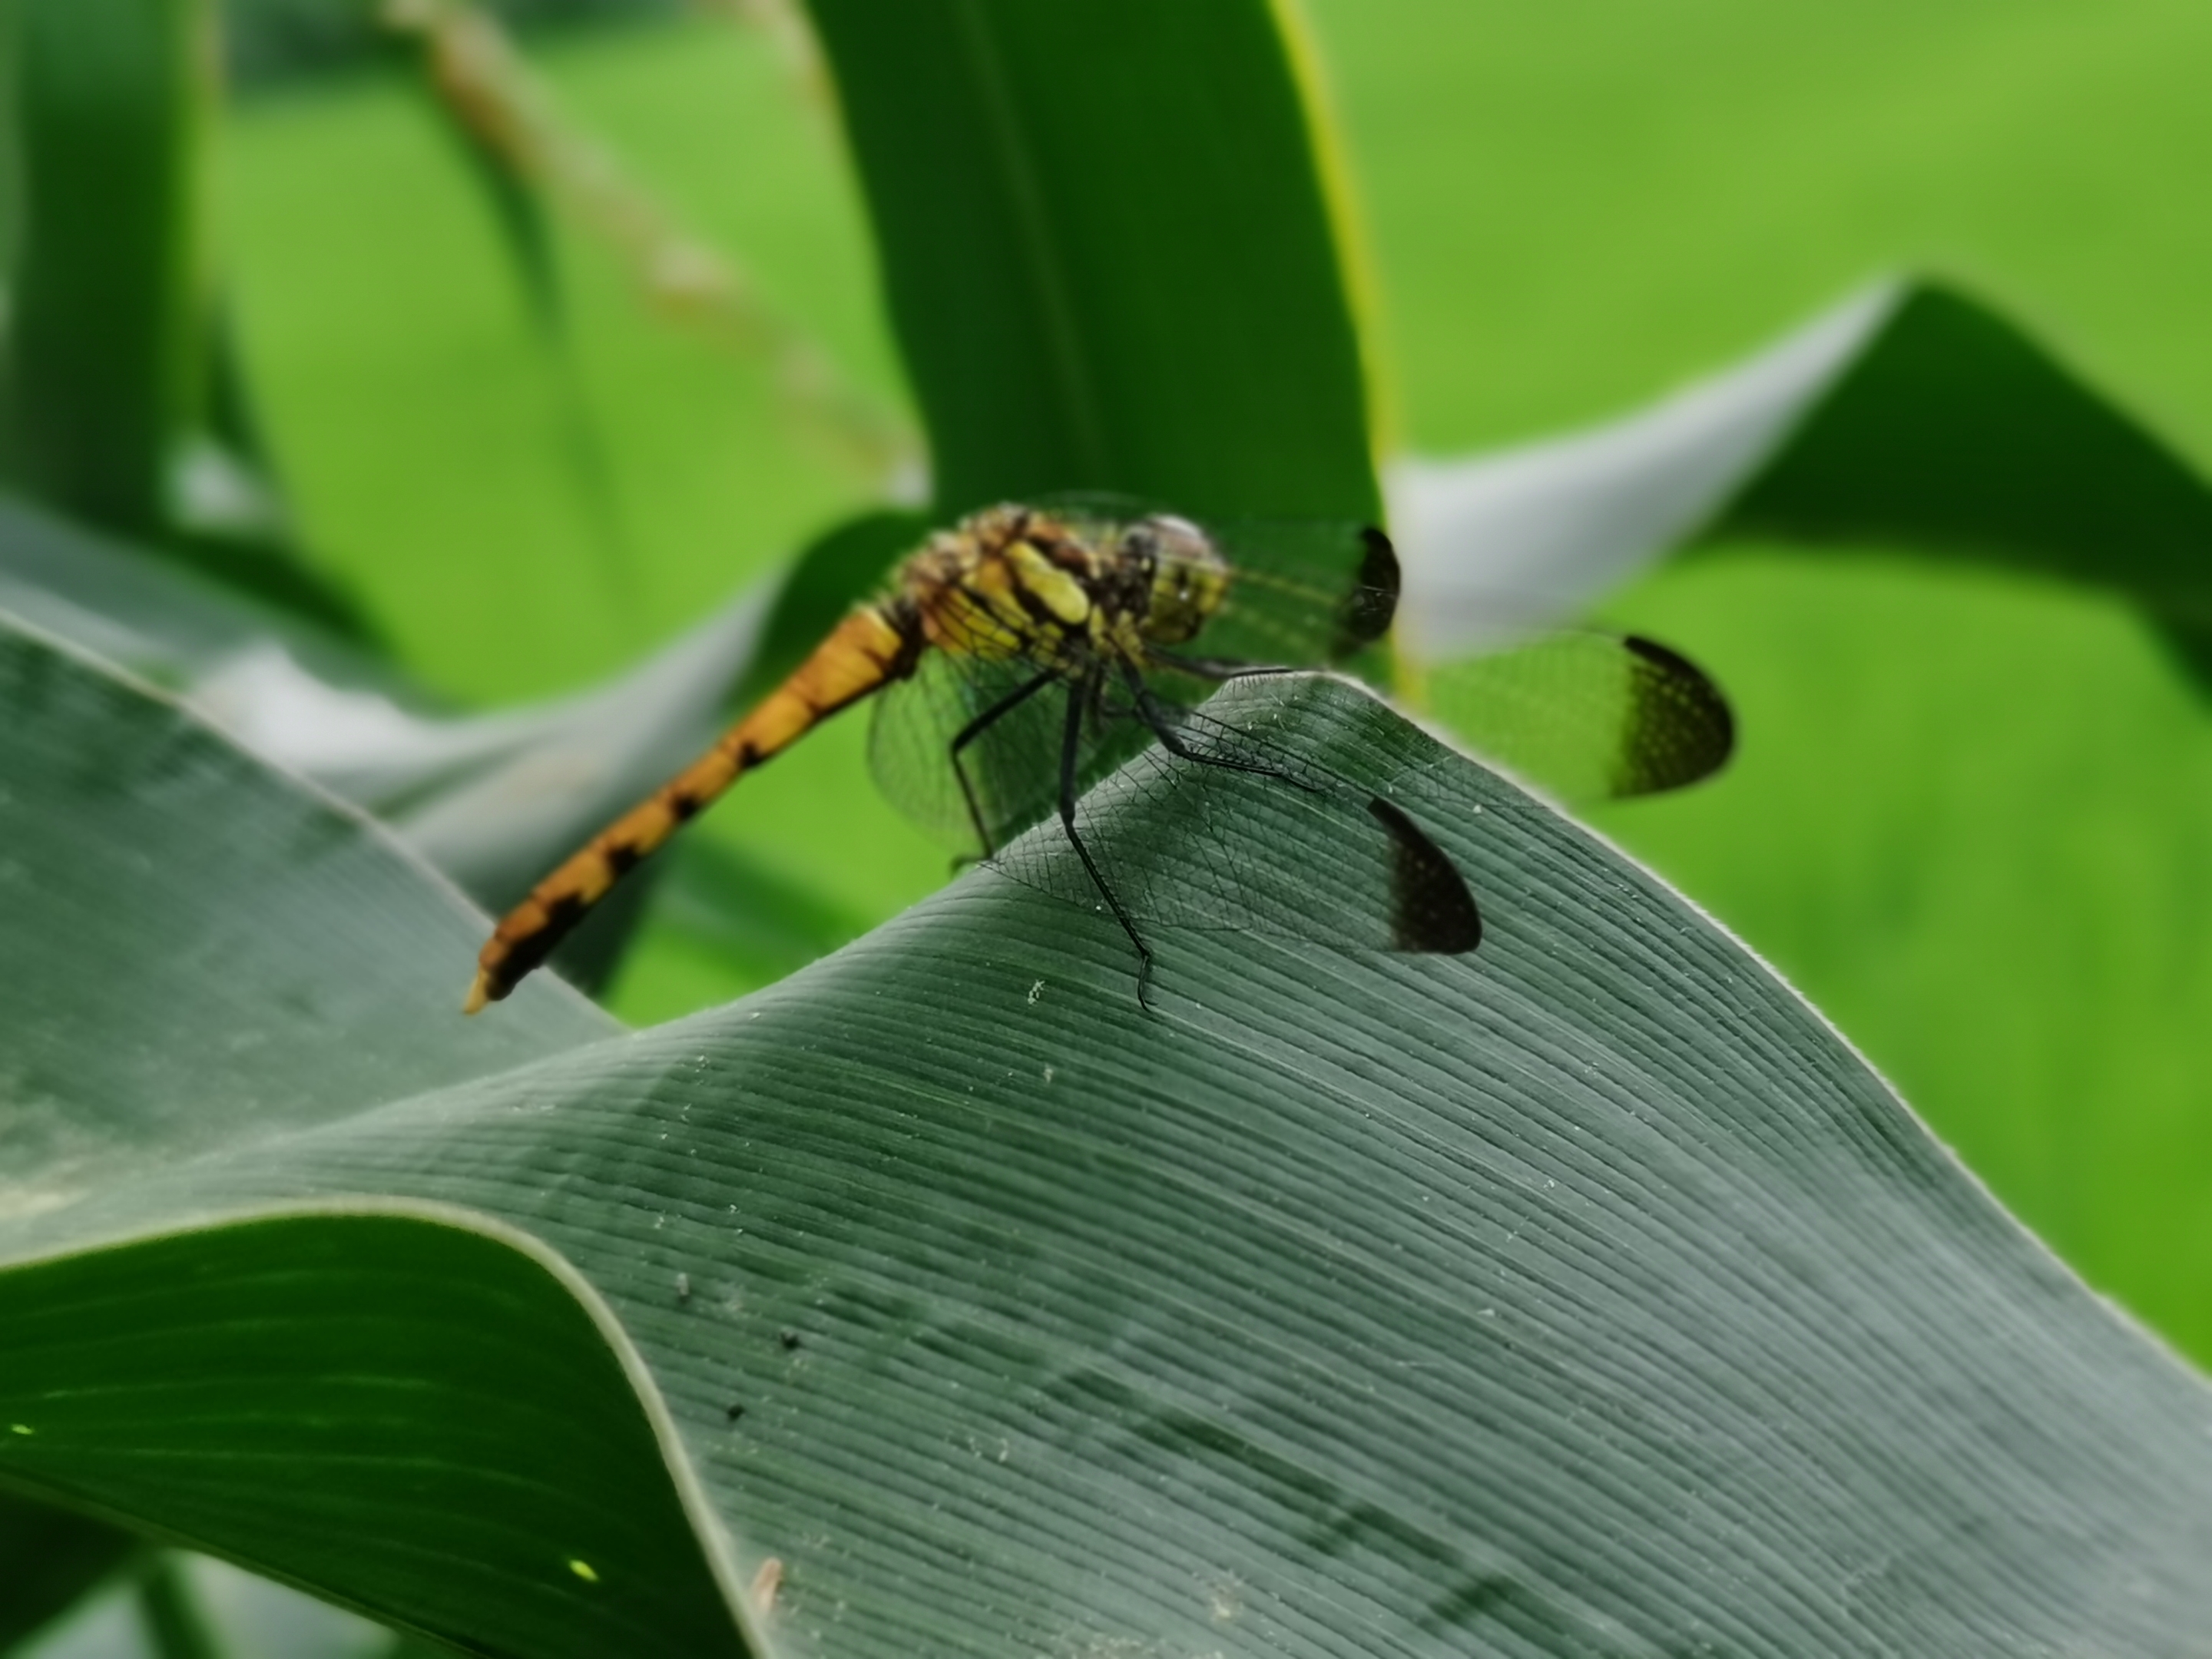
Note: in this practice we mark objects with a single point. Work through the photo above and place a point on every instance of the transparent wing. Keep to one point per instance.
(1303, 592)
(1012, 767)
(1589, 716)
(910, 748)
(1158, 834)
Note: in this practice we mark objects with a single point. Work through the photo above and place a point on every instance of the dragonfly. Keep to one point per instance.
(1031, 650)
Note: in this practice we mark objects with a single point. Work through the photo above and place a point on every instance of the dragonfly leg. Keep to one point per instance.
(1156, 716)
(975, 729)
(1079, 697)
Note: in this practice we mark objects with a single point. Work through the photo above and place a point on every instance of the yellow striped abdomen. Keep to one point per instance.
(868, 650)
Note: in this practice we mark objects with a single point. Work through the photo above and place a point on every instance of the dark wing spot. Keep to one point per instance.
(1368, 610)
(1431, 910)
(1679, 726)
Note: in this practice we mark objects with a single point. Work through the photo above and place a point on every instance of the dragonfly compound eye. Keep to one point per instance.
(1189, 579)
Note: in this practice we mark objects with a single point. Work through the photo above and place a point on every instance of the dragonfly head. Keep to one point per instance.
(1188, 578)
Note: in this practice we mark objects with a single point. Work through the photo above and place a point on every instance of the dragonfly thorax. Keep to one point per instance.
(1067, 592)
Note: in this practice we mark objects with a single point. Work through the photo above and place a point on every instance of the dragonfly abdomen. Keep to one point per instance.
(869, 649)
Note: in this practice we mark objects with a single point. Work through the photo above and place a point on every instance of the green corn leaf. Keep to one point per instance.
(1107, 251)
(122, 403)
(51, 1559)
(1585, 1292)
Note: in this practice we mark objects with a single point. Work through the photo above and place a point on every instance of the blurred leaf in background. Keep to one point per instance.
(267, 42)
(121, 399)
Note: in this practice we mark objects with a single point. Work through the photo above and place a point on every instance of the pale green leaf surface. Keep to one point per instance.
(1586, 1294)
(1910, 415)
(175, 626)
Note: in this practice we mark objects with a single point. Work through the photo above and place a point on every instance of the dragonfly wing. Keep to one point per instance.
(1228, 834)
(1589, 716)
(1012, 765)
(910, 747)
(1303, 592)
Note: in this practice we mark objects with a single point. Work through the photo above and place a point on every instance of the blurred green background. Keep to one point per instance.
(1970, 814)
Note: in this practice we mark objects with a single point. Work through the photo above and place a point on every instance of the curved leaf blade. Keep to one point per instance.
(232, 960)
(1909, 416)
(400, 1383)
(1587, 1293)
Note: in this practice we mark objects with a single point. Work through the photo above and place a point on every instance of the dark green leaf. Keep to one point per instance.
(121, 403)
(450, 1442)
(1584, 1294)
(104, 334)
(49, 1559)
(1106, 250)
